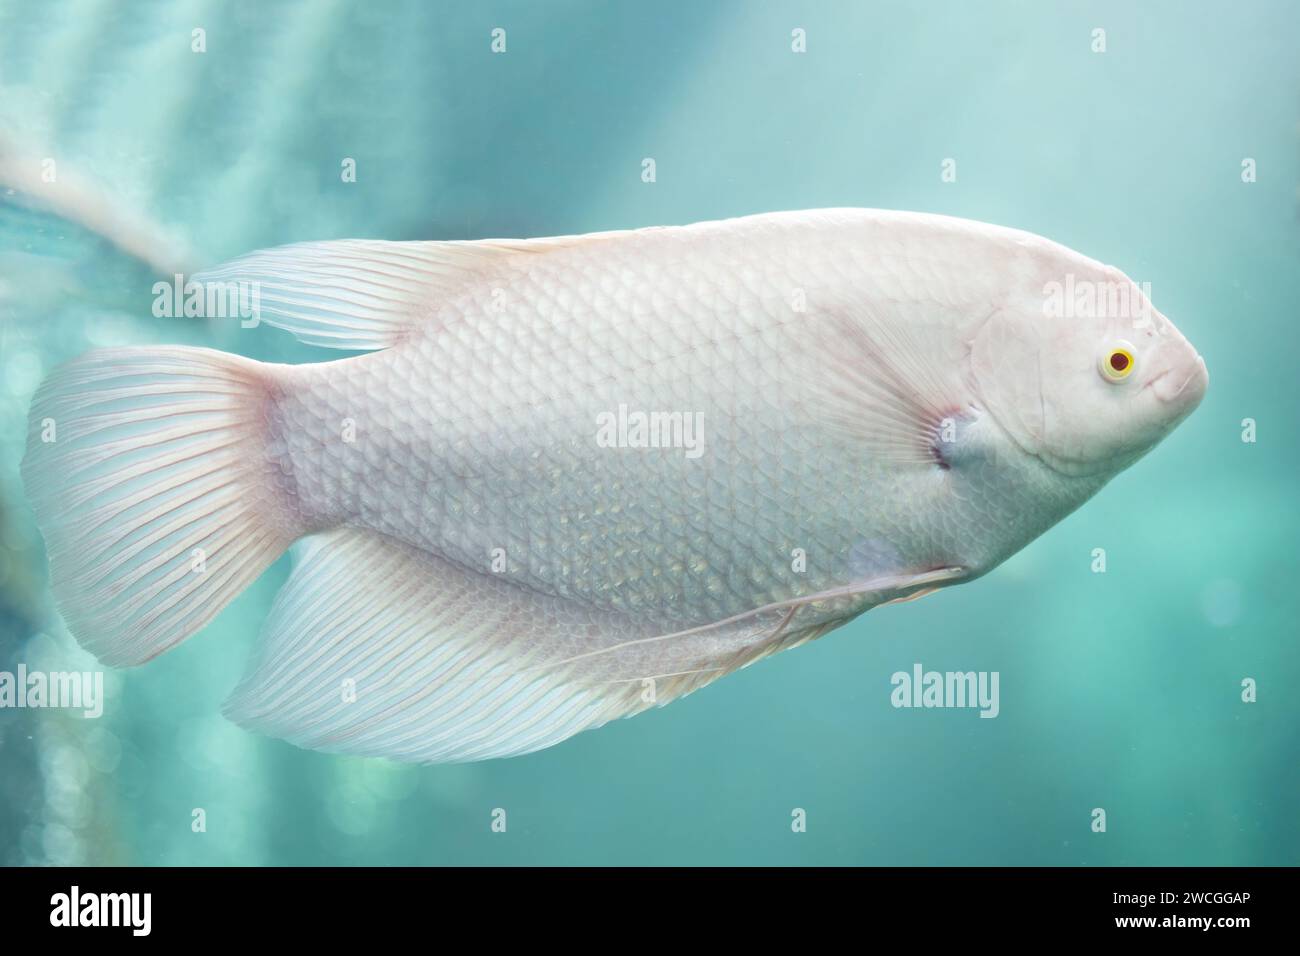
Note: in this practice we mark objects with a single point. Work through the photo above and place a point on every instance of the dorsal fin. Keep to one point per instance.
(367, 293)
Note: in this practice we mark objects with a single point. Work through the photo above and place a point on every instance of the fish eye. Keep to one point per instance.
(1117, 362)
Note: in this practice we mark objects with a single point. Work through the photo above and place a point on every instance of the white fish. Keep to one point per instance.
(506, 544)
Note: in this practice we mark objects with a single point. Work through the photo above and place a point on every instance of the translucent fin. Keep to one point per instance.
(887, 384)
(367, 293)
(146, 473)
(375, 648)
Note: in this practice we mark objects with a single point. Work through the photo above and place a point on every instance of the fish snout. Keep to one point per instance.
(1183, 383)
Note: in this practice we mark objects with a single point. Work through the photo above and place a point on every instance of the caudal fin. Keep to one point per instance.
(147, 472)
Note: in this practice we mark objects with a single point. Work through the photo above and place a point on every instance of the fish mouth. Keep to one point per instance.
(1181, 385)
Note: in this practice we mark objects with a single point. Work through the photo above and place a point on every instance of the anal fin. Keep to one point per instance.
(380, 649)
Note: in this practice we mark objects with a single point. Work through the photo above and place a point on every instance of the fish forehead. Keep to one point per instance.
(479, 435)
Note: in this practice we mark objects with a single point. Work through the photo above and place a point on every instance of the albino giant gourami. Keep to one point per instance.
(574, 478)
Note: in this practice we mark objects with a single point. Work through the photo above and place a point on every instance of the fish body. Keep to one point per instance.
(577, 477)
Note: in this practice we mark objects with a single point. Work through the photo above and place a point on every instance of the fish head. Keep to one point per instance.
(1089, 381)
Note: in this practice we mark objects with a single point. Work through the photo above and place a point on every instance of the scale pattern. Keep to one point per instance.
(480, 431)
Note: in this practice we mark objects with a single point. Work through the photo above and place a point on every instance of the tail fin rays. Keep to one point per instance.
(146, 472)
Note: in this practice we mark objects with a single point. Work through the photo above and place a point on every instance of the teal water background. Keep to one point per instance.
(1119, 691)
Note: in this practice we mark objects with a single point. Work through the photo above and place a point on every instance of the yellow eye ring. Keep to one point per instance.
(1117, 362)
